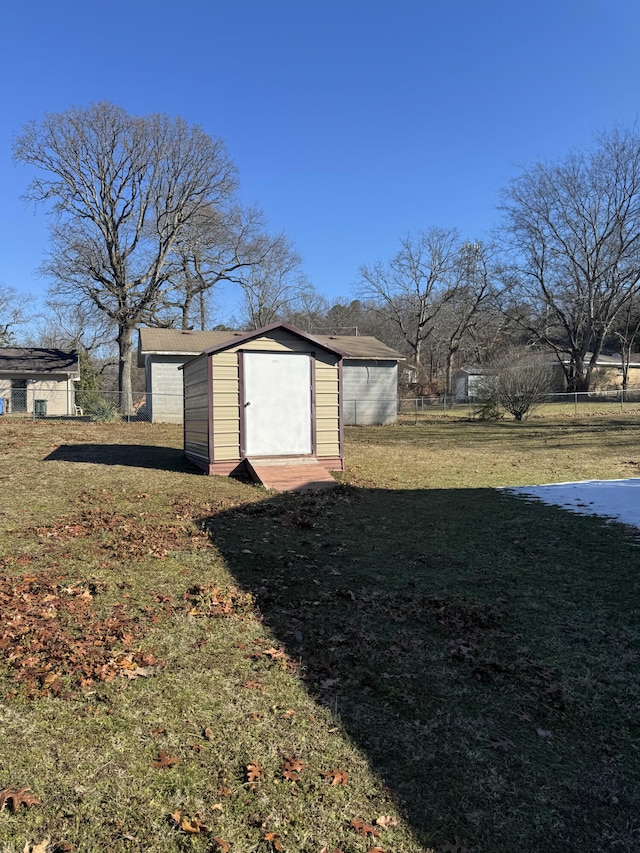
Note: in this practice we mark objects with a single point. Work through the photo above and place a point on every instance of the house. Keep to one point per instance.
(38, 381)
(608, 375)
(370, 372)
(272, 393)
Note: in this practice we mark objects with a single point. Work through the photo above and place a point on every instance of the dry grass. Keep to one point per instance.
(457, 453)
(467, 659)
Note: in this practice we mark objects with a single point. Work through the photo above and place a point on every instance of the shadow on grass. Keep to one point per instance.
(476, 647)
(134, 455)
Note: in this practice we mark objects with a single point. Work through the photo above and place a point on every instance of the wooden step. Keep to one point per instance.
(291, 474)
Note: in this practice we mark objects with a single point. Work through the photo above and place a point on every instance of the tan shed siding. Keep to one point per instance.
(277, 341)
(327, 406)
(226, 407)
(196, 425)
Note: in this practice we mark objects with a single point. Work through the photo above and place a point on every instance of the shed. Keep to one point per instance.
(38, 380)
(275, 392)
(370, 372)
(467, 383)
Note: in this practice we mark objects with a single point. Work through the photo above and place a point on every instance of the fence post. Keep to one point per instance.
(575, 402)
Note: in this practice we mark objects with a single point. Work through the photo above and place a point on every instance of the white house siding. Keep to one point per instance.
(58, 395)
(370, 391)
(165, 403)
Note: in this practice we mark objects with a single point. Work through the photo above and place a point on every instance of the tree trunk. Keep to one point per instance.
(186, 311)
(451, 352)
(203, 318)
(125, 358)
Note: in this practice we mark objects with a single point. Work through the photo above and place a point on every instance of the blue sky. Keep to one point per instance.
(352, 122)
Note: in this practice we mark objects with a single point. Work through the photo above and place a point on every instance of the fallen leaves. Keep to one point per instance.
(118, 535)
(53, 641)
(209, 600)
(291, 768)
(275, 654)
(502, 743)
(274, 840)
(362, 828)
(13, 798)
(164, 760)
(338, 777)
(255, 774)
(191, 826)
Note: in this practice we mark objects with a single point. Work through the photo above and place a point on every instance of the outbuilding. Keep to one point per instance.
(38, 381)
(370, 372)
(272, 393)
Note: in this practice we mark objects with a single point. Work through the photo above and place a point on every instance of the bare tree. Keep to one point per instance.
(626, 332)
(517, 383)
(308, 311)
(413, 287)
(123, 190)
(573, 233)
(459, 312)
(65, 325)
(13, 313)
(359, 318)
(219, 245)
(274, 287)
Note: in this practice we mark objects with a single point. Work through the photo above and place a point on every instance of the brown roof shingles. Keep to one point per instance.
(178, 342)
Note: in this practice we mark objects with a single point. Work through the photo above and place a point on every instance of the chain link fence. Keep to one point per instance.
(56, 404)
(104, 407)
(576, 403)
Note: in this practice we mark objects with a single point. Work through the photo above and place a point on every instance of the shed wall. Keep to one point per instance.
(227, 402)
(165, 381)
(370, 391)
(196, 409)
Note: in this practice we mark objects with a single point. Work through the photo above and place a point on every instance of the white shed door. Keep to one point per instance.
(277, 403)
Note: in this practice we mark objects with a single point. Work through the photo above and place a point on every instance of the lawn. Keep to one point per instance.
(414, 662)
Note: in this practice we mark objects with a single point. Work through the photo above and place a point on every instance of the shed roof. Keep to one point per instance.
(192, 343)
(240, 337)
(362, 347)
(38, 360)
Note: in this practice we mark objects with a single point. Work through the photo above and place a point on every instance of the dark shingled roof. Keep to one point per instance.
(192, 343)
(38, 360)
